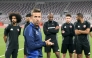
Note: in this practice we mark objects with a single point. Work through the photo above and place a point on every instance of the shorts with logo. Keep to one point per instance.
(74, 44)
(83, 46)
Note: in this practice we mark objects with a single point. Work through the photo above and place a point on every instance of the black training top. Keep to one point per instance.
(82, 38)
(12, 33)
(50, 31)
(67, 30)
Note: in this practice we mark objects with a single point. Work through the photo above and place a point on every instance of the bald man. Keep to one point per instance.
(51, 28)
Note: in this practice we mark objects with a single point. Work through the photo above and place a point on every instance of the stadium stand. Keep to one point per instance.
(83, 7)
(57, 8)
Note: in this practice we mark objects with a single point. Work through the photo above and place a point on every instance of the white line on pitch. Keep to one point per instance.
(18, 50)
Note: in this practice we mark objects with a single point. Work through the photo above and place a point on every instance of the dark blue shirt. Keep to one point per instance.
(33, 40)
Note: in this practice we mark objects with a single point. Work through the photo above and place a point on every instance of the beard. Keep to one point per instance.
(50, 19)
(13, 22)
(78, 20)
(37, 24)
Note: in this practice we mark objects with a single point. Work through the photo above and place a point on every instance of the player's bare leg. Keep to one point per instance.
(87, 56)
(75, 55)
(25, 56)
(48, 55)
(79, 55)
(57, 54)
(70, 54)
(63, 55)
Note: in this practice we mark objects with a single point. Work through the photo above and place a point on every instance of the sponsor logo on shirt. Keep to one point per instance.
(11, 29)
(51, 27)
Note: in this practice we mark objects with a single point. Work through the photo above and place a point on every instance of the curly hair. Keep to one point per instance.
(17, 15)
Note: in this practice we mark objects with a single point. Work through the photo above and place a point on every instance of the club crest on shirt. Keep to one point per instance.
(84, 26)
(17, 29)
(78, 26)
(70, 26)
(64, 26)
(11, 29)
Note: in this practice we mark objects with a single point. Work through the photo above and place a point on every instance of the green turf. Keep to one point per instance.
(21, 44)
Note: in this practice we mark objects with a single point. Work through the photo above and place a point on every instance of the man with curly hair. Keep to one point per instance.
(11, 34)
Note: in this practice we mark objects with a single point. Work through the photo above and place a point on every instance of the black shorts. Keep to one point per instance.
(74, 45)
(74, 48)
(66, 47)
(83, 46)
(55, 48)
(25, 51)
(75, 41)
(11, 52)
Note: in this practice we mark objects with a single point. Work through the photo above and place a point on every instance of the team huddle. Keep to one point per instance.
(75, 37)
